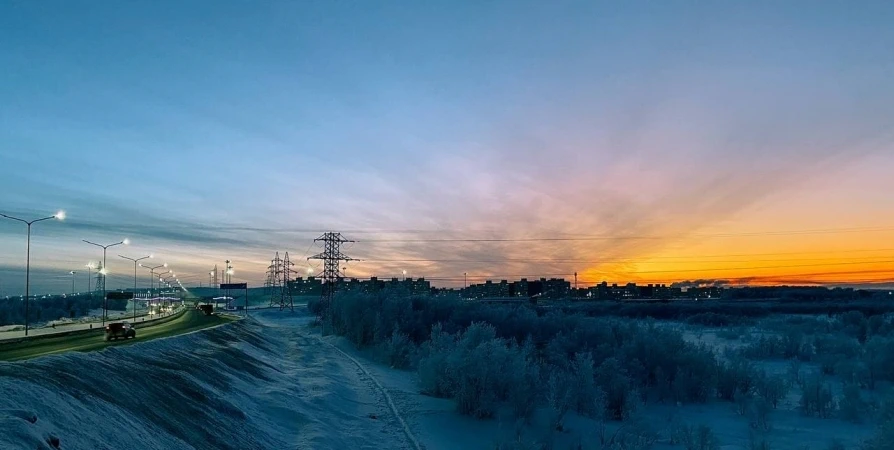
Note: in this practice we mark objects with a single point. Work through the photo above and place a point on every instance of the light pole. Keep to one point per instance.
(72, 282)
(153, 275)
(104, 272)
(59, 215)
(134, 300)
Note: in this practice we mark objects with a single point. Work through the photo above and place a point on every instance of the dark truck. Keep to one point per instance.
(120, 329)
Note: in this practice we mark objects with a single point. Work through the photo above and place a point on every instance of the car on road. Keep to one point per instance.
(120, 329)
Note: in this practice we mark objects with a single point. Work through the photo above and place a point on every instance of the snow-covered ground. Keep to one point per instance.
(240, 386)
(273, 382)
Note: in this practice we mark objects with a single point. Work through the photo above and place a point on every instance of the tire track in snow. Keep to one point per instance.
(410, 436)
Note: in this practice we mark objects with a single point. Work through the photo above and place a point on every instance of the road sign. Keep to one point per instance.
(119, 295)
(234, 286)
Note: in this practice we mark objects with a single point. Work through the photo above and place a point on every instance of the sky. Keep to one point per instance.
(715, 142)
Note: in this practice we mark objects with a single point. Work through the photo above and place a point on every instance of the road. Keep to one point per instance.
(191, 320)
(74, 326)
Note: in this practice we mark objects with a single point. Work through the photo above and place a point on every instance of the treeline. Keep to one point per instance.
(489, 358)
(485, 357)
(726, 312)
(12, 310)
(799, 293)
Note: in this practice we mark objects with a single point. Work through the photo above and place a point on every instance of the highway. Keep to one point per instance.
(191, 320)
(74, 326)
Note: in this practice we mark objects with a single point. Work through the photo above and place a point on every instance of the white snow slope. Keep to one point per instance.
(247, 385)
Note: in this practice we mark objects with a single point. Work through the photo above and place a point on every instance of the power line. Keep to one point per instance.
(641, 237)
(616, 260)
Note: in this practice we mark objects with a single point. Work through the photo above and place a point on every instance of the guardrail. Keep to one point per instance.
(99, 329)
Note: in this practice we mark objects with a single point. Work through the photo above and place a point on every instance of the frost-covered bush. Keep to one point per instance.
(765, 347)
(736, 377)
(878, 359)
(884, 435)
(620, 394)
(398, 351)
(695, 438)
(758, 414)
(434, 369)
(583, 384)
(854, 324)
(559, 396)
(315, 306)
(851, 406)
(524, 382)
(816, 399)
(771, 389)
(712, 319)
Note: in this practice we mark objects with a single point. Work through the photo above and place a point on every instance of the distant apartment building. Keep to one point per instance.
(418, 286)
(306, 286)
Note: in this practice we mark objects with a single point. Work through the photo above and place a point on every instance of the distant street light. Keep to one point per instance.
(104, 272)
(60, 216)
(135, 262)
(153, 275)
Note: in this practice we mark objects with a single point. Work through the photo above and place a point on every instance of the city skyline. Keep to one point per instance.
(687, 141)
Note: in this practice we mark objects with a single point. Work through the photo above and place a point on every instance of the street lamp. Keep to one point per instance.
(153, 274)
(60, 216)
(72, 282)
(104, 271)
(135, 262)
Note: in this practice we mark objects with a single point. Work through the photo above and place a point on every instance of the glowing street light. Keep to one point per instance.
(58, 216)
(152, 274)
(135, 262)
(104, 272)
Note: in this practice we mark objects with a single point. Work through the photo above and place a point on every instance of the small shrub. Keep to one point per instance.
(434, 370)
(772, 389)
(612, 378)
(559, 397)
(398, 350)
(695, 438)
(735, 377)
(758, 440)
(583, 383)
(796, 374)
(816, 399)
(851, 407)
(759, 415)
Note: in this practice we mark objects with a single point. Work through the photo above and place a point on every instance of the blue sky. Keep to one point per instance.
(180, 124)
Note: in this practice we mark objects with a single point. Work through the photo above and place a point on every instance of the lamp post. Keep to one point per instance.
(104, 272)
(59, 215)
(72, 282)
(153, 275)
(135, 262)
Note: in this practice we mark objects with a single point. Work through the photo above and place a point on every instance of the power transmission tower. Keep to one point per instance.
(273, 278)
(331, 257)
(285, 285)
